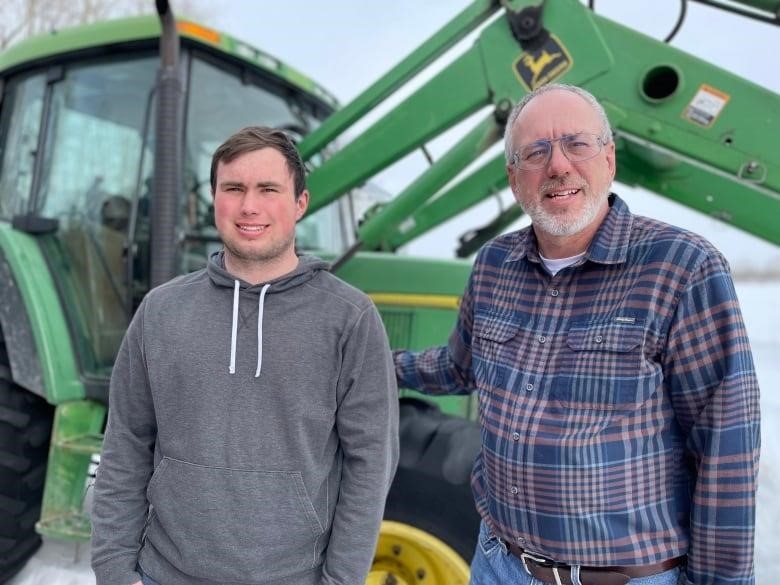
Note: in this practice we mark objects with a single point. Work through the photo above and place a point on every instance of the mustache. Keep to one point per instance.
(555, 184)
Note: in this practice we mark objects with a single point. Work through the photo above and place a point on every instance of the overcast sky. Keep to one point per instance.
(347, 44)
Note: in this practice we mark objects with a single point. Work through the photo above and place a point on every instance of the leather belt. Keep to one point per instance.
(551, 572)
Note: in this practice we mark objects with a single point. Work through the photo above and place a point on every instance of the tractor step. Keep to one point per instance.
(87, 443)
(71, 526)
(76, 441)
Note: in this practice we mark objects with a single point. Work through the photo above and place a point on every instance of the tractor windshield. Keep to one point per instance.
(222, 100)
(77, 147)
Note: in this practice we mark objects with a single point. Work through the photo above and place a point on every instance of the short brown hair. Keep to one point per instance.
(254, 138)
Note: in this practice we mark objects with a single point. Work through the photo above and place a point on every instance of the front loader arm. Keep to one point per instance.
(684, 128)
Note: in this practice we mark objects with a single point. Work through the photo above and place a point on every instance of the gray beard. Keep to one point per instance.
(562, 225)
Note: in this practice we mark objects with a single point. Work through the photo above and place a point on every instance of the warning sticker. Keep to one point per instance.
(706, 105)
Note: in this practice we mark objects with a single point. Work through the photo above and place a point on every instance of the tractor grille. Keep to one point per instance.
(398, 324)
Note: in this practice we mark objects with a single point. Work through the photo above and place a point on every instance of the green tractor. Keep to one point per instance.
(106, 137)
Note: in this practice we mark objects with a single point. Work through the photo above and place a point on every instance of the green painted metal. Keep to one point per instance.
(770, 7)
(487, 180)
(652, 94)
(414, 327)
(452, 32)
(470, 147)
(75, 437)
(62, 512)
(379, 273)
(415, 121)
(141, 28)
(49, 327)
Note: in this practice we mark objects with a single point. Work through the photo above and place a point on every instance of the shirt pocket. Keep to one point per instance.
(496, 349)
(600, 366)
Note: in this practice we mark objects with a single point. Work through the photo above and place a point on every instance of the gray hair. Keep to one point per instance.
(584, 94)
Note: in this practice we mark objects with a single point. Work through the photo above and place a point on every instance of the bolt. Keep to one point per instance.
(420, 574)
(396, 550)
(501, 113)
(752, 167)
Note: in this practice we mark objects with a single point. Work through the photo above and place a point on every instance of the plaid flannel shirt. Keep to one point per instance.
(618, 400)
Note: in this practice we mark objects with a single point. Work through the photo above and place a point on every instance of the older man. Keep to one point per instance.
(618, 399)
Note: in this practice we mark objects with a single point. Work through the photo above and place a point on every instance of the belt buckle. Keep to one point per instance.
(540, 561)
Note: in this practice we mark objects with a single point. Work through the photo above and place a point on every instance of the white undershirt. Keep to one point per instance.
(555, 265)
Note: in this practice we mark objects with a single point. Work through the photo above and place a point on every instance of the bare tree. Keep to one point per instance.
(25, 18)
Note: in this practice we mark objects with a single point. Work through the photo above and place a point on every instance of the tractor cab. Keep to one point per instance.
(77, 137)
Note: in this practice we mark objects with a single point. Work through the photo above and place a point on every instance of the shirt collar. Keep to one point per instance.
(609, 245)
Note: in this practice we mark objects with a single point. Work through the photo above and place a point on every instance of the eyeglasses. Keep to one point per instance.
(575, 147)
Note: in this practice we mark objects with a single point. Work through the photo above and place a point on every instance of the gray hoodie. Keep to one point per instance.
(251, 436)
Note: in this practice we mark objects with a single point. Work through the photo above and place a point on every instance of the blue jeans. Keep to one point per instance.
(494, 565)
(146, 579)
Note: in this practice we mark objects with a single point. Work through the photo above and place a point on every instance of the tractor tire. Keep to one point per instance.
(431, 490)
(25, 430)
(433, 506)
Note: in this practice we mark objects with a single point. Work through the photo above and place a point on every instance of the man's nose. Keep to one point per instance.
(558, 164)
(251, 203)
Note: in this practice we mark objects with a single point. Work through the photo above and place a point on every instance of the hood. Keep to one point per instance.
(308, 267)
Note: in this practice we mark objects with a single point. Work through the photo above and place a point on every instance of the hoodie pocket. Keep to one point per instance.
(235, 525)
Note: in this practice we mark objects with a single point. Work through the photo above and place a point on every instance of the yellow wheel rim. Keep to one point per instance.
(406, 555)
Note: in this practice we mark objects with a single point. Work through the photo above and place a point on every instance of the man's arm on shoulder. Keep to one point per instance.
(710, 372)
(367, 425)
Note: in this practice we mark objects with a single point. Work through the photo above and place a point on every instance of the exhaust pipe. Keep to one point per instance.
(167, 153)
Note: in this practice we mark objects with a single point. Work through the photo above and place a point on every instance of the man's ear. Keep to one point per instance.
(512, 177)
(302, 204)
(611, 160)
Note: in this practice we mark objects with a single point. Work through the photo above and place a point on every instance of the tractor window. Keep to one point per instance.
(95, 141)
(222, 100)
(19, 125)
(92, 173)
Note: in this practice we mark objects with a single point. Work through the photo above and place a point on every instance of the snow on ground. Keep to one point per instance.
(59, 563)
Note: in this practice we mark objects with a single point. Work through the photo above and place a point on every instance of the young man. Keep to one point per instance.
(618, 399)
(253, 412)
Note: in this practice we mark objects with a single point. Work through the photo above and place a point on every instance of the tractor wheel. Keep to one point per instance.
(431, 524)
(408, 556)
(25, 429)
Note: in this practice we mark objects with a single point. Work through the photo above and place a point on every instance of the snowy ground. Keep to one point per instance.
(68, 564)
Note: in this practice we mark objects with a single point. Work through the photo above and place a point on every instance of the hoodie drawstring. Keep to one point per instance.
(234, 329)
(260, 330)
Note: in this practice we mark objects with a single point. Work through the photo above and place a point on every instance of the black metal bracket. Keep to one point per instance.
(526, 26)
(35, 224)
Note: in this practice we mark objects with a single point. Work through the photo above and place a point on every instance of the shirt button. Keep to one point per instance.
(514, 489)
(599, 339)
(529, 387)
(554, 292)
(516, 436)
(542, 339)
(520, 540)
